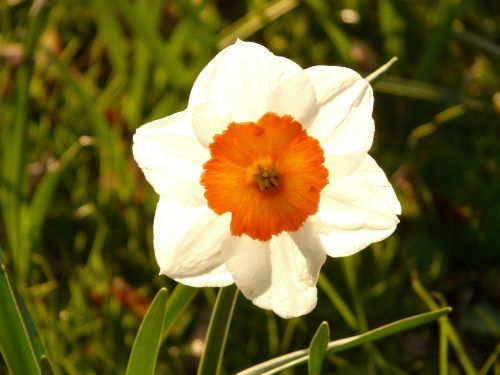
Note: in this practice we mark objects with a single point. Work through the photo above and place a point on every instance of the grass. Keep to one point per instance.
(78, 77)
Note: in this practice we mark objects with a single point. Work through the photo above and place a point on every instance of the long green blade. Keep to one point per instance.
(180, 298)
(339, 39)
(43, 195)
(317, 349)
(277, 364)
(254, 21)
(142, 360)
(337, 301)
(13, 169)
(15, 344)
(451, 334)
(211, 359)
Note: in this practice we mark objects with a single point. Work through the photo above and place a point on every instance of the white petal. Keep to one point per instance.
(217, 277)
(167, 151)
(296, 97)
(249, 262)
(344, 122)
(187, 244)
(308, 242)
(279, 275)
(377, 178)
(342, 243)
(207, 122)
(341, 165)
(357, 210)
(239, 80)
(201, 91)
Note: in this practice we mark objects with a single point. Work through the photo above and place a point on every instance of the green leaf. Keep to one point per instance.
(180, 298)
(317, 349)
(211, 358)
(142, 360)
(278, 364)
(15, 343)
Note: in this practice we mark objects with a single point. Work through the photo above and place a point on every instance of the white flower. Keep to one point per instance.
(264, 174)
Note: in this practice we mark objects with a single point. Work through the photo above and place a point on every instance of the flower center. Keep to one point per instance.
(268, 175)
(266, 178)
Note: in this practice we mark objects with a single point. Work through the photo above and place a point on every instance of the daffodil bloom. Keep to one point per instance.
(264, 174)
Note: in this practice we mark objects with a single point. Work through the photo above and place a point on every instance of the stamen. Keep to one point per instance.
(266, 179)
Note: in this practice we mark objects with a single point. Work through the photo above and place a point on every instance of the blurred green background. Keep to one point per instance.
(78, 77)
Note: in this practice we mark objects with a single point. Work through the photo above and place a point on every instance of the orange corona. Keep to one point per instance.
(268, 174)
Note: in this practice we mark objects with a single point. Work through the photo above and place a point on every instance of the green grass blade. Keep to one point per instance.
(392, 26)
(14, 146)
(317, 348)
(218, 329)
(272, 334)
(15, 344)
(180, 298)
(13, 167)
(254, 21)
(42, 197)
(492, 359)
(142, 359)
(111, 34)
(351, 280)
(479, 42)
(426, 129)
(111, 147)
(451, 333)
(338, 302)
(337, 36)
(349, 267)
(277, 364)
(158, 48)
(46, 366)
(34, 337)
(443, 348)
(426, 91)
(141, 68)
(429, 62)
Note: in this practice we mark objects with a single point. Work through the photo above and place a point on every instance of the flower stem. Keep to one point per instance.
(215, 342)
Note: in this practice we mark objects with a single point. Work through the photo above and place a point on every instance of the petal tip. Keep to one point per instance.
(305, 307)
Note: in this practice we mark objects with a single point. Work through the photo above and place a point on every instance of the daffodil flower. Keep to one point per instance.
(264, 174)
